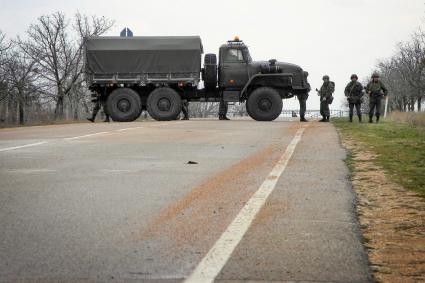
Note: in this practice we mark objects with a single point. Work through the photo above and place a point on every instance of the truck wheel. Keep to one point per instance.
(264, 104)
(164, 104)
(210, 71)
(124, 105)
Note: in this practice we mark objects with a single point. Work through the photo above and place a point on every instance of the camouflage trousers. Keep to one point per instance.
(100, 104)
(222, 109)
(358, 108)
(302, 99)
(324, 108)
(375, 105)
(185, 108)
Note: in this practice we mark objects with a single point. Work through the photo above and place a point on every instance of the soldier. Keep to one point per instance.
(326, 98)
(354, 93)
(302, 99)
(376, 90)
(222, 110)
(100, 101)
(185, 109)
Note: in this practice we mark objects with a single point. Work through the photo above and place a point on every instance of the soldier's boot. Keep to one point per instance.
(323, 119)
(370, 119)
(185, 117)
(360, 118)
(303, 119)
(107, 119)
(328, 118)
(92, 118)
(377, 118)
(351, 118)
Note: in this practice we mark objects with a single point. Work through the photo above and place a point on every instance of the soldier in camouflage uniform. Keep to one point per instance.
(354, 93)
(302, 99)
(185, 109)
(326, 98)
(99, 102)
(376, 90)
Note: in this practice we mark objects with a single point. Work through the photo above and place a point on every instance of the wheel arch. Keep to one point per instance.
(278, 81)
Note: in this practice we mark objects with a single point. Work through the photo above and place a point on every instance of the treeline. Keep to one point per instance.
(41, 74)
(404, 74)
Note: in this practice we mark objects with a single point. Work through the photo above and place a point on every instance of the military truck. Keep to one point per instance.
(157, 73)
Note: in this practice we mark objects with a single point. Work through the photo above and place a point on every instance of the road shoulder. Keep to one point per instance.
(307, 231)
(392, 218)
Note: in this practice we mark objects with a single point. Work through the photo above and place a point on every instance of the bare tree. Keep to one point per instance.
(411, 61)
(404, 74)
(57, 50)
(4, 46)
(21, 78)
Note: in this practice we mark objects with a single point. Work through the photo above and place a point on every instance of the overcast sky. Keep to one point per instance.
(334, 37)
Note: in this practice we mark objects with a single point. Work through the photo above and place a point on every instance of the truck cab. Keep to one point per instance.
(234, 60)
(261, 84)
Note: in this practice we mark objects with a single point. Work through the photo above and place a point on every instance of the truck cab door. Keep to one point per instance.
(233, 69)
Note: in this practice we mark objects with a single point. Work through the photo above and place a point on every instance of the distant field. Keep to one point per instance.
(399, 142)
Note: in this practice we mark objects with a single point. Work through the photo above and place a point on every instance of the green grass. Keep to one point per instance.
(400, 148)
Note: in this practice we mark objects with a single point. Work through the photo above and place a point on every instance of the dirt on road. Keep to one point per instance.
(392, 220)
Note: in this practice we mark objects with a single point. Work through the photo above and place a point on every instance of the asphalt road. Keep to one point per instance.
(121, 202)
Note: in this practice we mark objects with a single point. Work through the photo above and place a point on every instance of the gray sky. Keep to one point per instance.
(334, 37)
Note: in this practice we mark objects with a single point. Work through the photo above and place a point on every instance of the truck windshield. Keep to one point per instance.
(247, 55)
(233, 55)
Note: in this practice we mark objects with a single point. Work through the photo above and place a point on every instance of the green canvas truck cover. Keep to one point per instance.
(143, 55)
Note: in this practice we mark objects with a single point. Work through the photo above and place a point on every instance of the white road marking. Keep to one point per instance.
(86, 136)
(127, 129)
(171, 123)
(22, 146)
(211, 265)
(151, 125)
(31, 171)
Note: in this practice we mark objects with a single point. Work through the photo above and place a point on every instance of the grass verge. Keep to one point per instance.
(400, 149)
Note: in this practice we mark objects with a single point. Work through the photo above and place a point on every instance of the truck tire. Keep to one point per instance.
(264, 104)
(124, 105)
(164, 104)
(210, 71)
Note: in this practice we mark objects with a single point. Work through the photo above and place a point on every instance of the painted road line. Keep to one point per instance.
(22, 146)
(127, 129)
(171, 123)
(211, 265)
(86, 136)
(152, 125)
